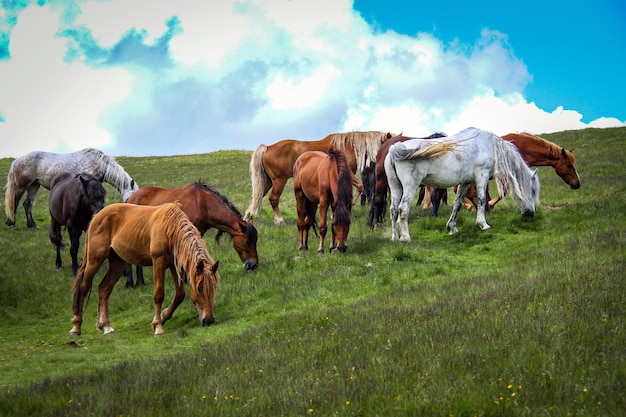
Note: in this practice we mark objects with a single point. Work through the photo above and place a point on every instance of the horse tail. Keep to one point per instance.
(260, 182)
(78, 282)
(368, 178)
(9, 195)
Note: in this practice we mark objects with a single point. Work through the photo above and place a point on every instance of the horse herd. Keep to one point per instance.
(163, 228)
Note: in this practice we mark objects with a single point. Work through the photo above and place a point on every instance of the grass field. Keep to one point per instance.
(525, 319)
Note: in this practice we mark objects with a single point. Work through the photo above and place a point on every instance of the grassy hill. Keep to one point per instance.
(525, 319)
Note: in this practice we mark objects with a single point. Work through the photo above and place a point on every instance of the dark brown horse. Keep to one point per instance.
(161, 236)
(271, 166)
(378, 178)
(206, 208)
(324, 180)
(74, 199)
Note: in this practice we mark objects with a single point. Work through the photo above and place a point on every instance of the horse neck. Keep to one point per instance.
(535, 151)
(344, 180)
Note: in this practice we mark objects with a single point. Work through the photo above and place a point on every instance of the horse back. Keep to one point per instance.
(132, 231)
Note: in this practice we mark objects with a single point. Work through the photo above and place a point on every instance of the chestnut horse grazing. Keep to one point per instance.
(271, 166)
(35, 169)
(206, 208)
(537, 152)
(74, 199)
(472, 156)
(324, 180)
(161, 236)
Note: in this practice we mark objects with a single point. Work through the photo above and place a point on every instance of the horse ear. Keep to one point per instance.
(563, 154)
(84, 181)
(214, 267)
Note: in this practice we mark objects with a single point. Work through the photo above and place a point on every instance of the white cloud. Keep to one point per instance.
(49, 104)
(254, 72)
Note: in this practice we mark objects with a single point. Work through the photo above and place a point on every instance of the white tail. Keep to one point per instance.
(9, 196)
(260, 183)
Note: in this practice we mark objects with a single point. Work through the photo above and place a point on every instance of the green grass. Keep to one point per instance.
(524, 319)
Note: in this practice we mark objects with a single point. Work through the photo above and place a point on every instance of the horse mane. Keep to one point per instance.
(188, 247)
(510, 165)
(251, 232)
(556, 151)
(365, 144)
(111, 171)
(344, 186)
(231, 206)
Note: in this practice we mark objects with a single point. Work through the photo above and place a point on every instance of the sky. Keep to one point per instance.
(171, 77)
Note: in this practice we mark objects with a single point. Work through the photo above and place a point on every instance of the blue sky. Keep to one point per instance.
(163, 77)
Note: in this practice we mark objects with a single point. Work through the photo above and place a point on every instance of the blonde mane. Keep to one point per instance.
(188, 248)
(365, 144)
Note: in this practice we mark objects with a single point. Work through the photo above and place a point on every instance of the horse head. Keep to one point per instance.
(202, 290)
(93, 193)
(130, 186)
(245, 245)
(565, 167)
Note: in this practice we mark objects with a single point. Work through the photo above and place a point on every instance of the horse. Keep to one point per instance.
(324, 180)
(271, 166)
(206, 208)
(74, 199)
(378, 179)
(536, 151)
(27, 173)
(472, 156)
(161, 236)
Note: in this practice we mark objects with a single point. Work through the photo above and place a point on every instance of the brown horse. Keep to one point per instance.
(271, 166)
(323, 180)
(538, 152)
(74, 199)
(206, 208)
(161, 236)
(381, 188)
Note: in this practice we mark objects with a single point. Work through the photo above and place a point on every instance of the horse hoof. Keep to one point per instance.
(109, 330)
(73, 333)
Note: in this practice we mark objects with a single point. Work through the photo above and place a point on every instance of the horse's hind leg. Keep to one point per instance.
(113, 274)
(458, 201)
(74, 244)
(277, 189)
(28, 204)
(54, 234)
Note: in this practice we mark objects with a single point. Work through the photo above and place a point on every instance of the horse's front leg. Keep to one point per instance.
(404, 209)
(356, 182)
(458, 202)
(302, 222)
(113, 274)
(323, 226)
(28, 204)
(481, 193)
(179, 296)
(158, 269)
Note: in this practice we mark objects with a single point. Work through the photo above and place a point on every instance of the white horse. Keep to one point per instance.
(472, 156)
(35, 169)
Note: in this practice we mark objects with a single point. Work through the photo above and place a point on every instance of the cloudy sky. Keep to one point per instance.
(163, 77)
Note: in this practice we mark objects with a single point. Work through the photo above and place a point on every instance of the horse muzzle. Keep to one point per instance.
(207, 321)
(575, 185)
(528, 213)
(250, 265)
